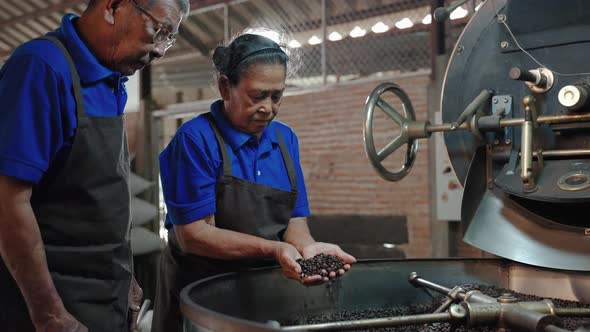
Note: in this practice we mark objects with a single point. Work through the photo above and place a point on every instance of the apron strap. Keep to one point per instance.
(76, 85)
(288, 162)
(227, 170)
(224, 156)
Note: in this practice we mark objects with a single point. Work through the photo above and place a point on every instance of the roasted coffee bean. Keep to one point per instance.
(569, 323)
(320, 264)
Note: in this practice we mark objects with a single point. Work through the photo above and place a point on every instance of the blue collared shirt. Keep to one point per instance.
(38, 110)
(191, 164)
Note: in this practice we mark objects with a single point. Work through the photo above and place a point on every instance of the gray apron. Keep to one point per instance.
(242, 206)
(84, 218)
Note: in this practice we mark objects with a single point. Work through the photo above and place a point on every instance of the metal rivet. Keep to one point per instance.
(504, 44)
(495, 100)
(501, 18)
(496, 141)
(505, 100)
(507, 141)
(460, 48)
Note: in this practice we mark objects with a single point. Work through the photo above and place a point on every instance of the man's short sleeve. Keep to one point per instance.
(30, 117)
(189, 175)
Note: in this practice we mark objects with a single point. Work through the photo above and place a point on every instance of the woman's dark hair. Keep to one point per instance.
(248, 49)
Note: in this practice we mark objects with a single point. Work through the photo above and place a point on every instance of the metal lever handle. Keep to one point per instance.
(416, 281)
(483, 96)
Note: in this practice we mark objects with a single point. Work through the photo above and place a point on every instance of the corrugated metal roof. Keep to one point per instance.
(23, 20)
(204, 29)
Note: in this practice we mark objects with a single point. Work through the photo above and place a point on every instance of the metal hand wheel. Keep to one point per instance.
(406, 124)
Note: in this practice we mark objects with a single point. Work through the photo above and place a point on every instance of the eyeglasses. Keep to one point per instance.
(162, 34)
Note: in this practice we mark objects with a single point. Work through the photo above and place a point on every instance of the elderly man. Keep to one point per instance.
(64, 200)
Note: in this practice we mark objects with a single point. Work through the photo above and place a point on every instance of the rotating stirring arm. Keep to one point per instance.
(474, 309)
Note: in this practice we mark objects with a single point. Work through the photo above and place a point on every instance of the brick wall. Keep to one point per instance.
(339, 177)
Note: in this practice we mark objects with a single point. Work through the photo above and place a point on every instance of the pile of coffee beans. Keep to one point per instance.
(570, 323)
(321, 264)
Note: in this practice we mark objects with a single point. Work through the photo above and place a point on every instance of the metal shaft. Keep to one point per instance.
(504, 155)
(573, 312)
(375, 323)
(515, 122)
(416, 281)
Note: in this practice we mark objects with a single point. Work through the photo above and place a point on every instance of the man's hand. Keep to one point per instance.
(60, 322)
(135, 298)
(23, 252)
(329, 249)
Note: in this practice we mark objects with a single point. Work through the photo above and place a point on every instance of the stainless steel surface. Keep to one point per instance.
(255, 300)
(500, 227)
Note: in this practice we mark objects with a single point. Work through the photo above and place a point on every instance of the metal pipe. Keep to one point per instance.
(548, 154)
(548, 119)
(573, 312)
(515, 122)
(563, 153)
(375, 323)
(416, 281)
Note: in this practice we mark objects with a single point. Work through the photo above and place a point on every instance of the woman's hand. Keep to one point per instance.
(329, 249)
(287, 256)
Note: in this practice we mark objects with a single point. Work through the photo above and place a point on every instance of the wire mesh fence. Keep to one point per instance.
(330, 41)
(341, 40)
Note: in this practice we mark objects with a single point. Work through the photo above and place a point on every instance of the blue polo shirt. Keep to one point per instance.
(191, 164)
(38, 110)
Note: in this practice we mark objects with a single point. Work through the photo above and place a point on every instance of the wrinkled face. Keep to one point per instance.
(253, 103)
(133, 44)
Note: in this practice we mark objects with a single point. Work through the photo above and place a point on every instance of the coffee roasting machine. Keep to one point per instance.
(516, 123)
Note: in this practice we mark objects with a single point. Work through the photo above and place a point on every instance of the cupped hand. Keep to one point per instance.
(287, 256)
(329, 249)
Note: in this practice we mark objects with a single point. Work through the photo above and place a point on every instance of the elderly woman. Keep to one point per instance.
(233, 184)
